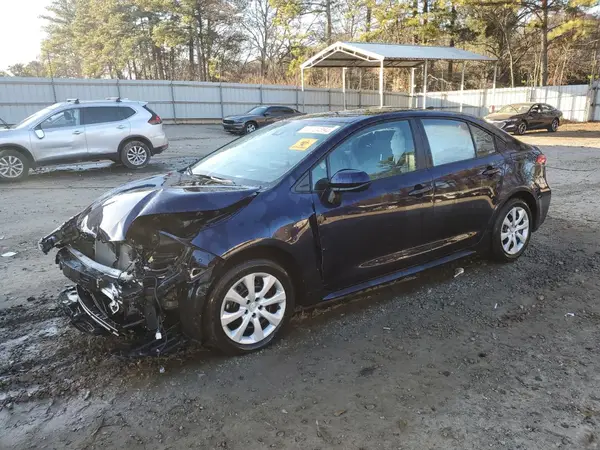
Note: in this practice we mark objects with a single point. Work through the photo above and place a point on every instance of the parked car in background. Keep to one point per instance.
(257, 117)
(126, 132)
(520, 117)
(302, 212)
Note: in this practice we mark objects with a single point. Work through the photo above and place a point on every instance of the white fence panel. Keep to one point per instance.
(280, 95)
(189, 100)
(370, 98)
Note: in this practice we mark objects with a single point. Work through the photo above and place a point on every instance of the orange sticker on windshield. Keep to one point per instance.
(303, 144)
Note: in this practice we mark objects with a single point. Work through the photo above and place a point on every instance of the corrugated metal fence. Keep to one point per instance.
(573, 101)
(187, 100)
(179, 100)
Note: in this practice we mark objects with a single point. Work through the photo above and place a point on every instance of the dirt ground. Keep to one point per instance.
(503, 356)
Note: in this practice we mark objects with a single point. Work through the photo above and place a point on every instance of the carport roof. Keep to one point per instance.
(367, 54)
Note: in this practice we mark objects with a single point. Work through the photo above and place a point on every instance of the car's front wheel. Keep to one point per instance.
(14, 166)
(512, 230)
(248, 307)
(553, 126)
(250, 127)
(521, 128)
(135, 155)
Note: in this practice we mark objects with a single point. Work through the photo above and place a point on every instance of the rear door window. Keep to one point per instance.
(101, 114)
(277, 111)
(449, 141)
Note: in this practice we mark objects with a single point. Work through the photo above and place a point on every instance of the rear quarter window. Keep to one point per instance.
(126, 112)
(484, 141)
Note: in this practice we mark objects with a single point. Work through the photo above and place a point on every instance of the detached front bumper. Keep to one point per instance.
(122, 302)
(100, 302)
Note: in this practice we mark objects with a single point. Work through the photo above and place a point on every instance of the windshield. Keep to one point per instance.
(517, 108)
(36, 116)
(266, 155)
(257, 110)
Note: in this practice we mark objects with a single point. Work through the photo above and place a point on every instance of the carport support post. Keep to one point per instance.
(412, 86)
(303, 96)
(425, 84)
(344, 85)
(462, 85)
(173, 102)
(381, 84)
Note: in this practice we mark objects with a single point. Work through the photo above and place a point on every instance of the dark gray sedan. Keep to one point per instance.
(520, 117)
(258, 116)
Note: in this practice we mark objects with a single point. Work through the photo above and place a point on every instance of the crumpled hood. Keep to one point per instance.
(111, 215)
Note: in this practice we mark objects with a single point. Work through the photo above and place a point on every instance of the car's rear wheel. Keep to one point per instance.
(135, 154)
(248, 307)
(14, 166)
(250, 127)
(521, 128)
(512, 230)
(553, 126)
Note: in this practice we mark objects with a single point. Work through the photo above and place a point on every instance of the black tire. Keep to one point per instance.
(553, 128)
(521, 128)
(135, 154)
(498, 251)
(250, 127)
(214, 333)
(14, 166)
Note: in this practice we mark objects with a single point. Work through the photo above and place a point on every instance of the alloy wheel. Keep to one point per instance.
(11, 166)
(250, 128)
(554, 125)
(515, 230)
(253, 308)
(522, 128)
(137, 155)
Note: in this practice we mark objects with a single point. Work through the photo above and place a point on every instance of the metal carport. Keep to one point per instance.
(372, 55)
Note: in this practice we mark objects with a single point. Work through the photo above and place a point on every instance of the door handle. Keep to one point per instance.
(490, 171)
(121, 127)
(77, 132)
(419, 190)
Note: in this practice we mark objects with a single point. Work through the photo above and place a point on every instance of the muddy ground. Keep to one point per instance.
(503, 356)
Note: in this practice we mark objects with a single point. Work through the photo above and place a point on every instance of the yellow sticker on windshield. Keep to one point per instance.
(303, 144)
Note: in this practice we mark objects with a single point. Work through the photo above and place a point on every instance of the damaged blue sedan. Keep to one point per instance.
(300, 212)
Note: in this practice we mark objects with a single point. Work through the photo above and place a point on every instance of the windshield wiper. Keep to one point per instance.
(7, 126)
(209, 177)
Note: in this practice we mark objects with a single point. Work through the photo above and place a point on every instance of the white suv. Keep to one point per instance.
(123, 131)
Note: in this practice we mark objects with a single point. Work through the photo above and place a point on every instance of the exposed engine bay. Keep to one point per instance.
(136, 269)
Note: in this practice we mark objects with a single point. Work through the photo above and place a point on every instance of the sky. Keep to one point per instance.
(20, 30)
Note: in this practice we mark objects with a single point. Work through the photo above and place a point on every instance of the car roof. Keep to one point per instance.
(123, 101)
(356, 115)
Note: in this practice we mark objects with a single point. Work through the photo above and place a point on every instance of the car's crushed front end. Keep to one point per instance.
(132, 258)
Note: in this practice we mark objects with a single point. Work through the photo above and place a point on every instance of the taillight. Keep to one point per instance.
(155, 120)
(541, 159)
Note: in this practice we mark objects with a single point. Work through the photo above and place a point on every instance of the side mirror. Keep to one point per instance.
(349, 180)
(39, 133)
(267, 114)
